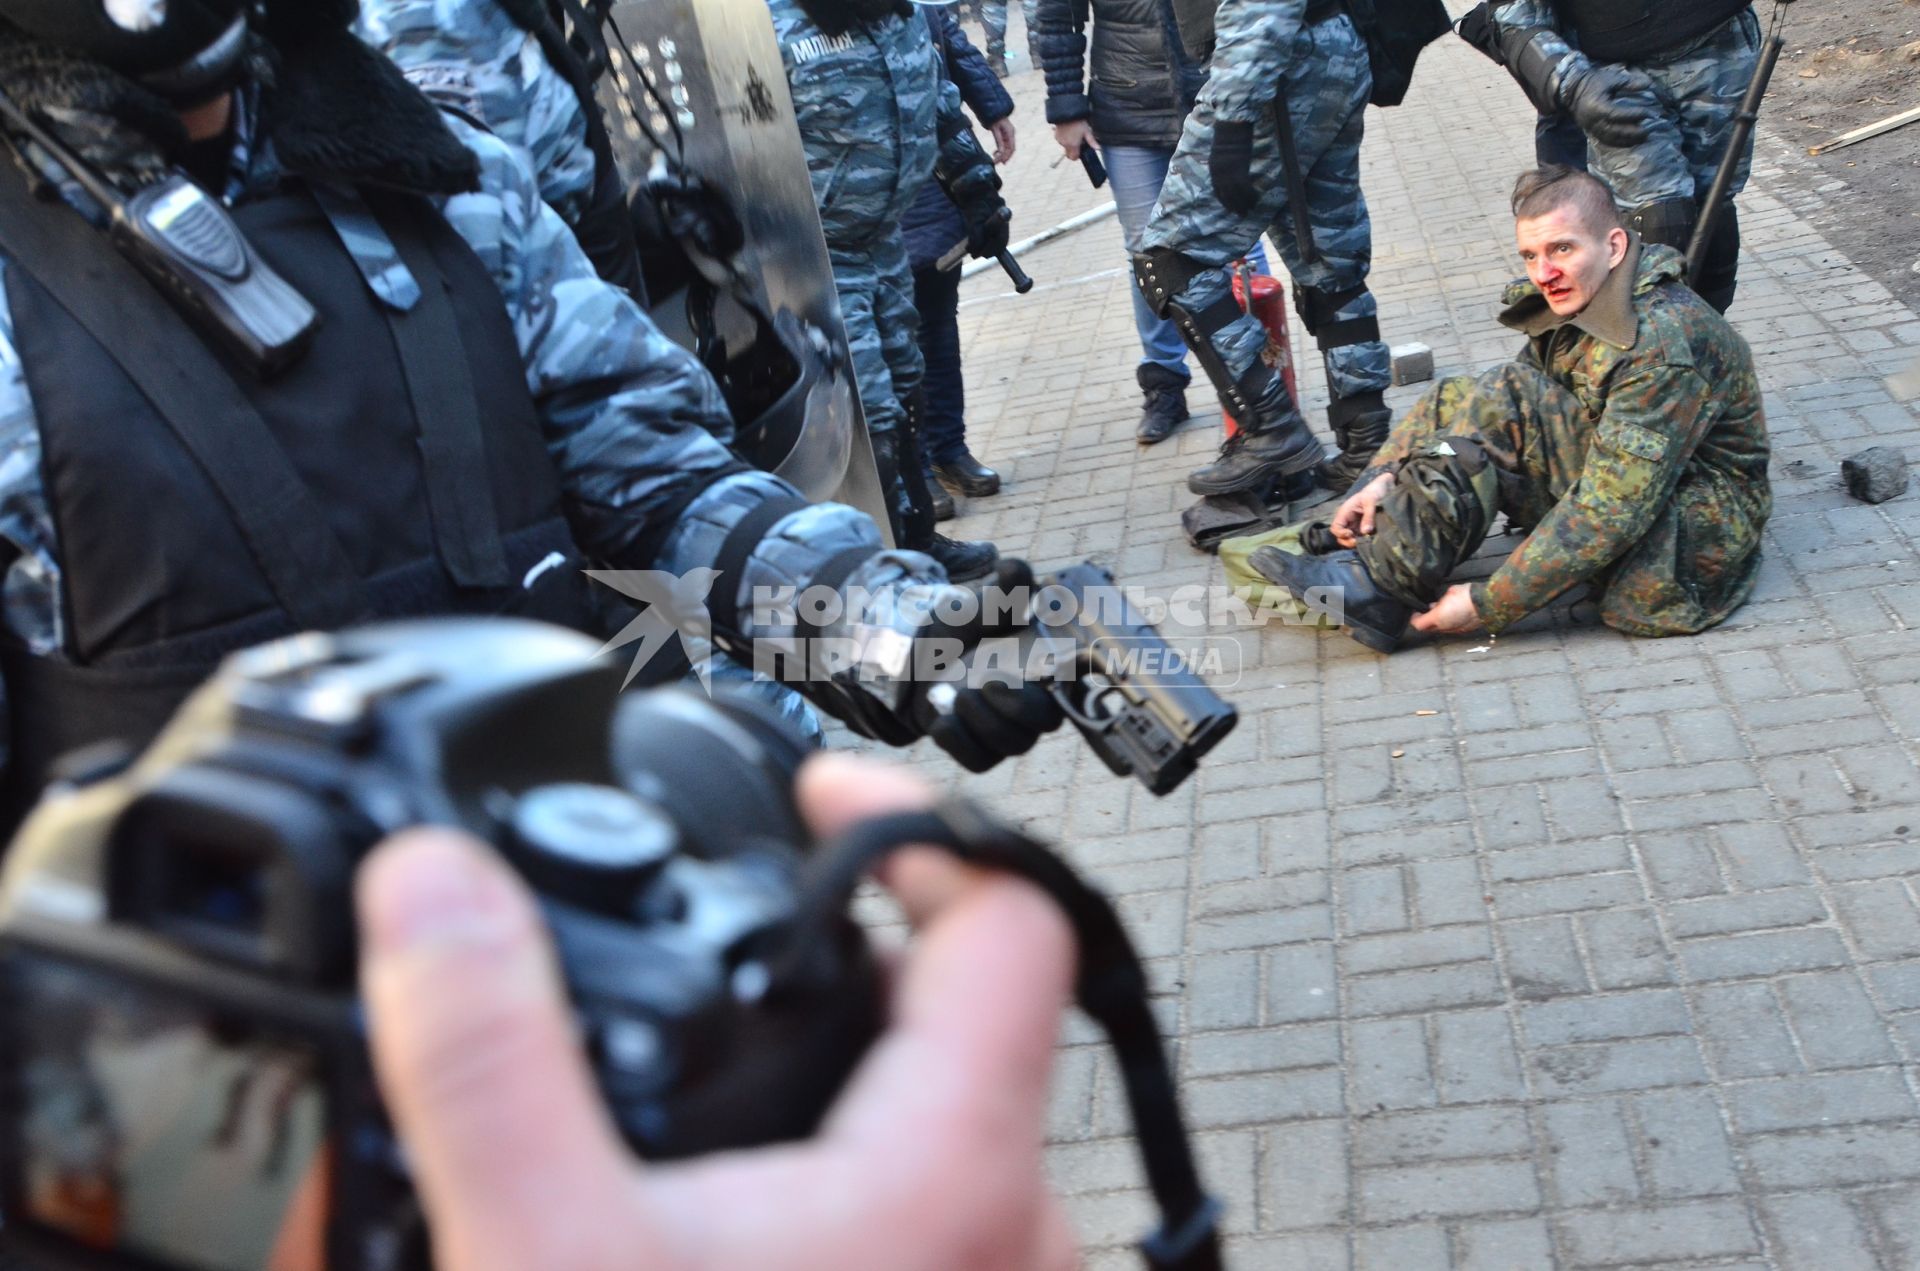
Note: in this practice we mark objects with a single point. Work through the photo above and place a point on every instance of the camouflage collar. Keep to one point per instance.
(1608, 316)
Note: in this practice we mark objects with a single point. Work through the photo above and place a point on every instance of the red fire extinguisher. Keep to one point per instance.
(1270, 307)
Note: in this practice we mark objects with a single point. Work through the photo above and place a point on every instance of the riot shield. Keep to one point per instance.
(703, 79)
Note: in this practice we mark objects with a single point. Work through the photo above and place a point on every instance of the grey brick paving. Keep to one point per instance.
(1613, 958)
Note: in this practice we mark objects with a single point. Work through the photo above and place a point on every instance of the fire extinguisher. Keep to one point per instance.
(1270, 308)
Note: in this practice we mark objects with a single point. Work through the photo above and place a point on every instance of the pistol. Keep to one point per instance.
(1133, 698)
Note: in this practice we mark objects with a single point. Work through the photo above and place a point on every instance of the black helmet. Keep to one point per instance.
(187, 51)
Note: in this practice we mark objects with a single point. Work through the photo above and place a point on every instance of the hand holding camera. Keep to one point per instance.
(187, 1056)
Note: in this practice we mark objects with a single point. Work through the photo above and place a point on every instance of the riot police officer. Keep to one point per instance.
(443, 409)
(1273, 144)
(877, 118)
(1656, 84)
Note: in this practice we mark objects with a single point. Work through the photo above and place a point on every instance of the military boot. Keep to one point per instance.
(1338, 585)
(997, 61)
(1360, 426)
(1250, 461)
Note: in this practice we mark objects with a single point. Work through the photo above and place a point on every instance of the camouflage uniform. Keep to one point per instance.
(470, 54)
(868, 103)
(1630, 437)
(1659, 183)
(993, 24)
(1265, 47)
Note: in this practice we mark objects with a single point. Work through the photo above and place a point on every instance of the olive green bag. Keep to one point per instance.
(1257, 591)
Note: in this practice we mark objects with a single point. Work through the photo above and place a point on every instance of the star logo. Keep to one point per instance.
(672, 606)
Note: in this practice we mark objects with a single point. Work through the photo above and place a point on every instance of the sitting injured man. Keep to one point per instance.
(1628, 434)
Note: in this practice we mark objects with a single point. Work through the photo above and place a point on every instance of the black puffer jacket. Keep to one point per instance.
(1143, 85)
(932, 224)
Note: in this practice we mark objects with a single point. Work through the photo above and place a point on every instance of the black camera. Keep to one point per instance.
(182, 1057)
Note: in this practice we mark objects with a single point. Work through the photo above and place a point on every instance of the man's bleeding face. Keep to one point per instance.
(1567, 260)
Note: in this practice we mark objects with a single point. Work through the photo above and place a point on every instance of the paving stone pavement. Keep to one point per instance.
(1572, 951)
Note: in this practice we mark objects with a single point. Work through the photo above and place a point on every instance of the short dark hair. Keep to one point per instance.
(1554, 186)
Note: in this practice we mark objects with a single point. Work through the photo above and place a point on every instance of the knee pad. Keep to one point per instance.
(1319, 314)
(1162, 274)
(1720, 261)
(1669, 221)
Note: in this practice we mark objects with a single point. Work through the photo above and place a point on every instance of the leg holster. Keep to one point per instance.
(1434, 516)
(1319, 312)
(1720, 268)
(1669, 221)
(1162, 275)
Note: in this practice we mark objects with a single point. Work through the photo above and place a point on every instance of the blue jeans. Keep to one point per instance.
(1135, 174)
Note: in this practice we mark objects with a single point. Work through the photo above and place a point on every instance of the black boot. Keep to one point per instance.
(963, 561)
(943, 509)
(1166, 403)
(966, 475)
(1252, 461)
(1360, 426)
(1338, 585)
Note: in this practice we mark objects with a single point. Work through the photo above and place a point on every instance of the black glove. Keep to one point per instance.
(966, 173)
(1230, 164)
(1612, 104)
(981, 726)
(1477, 29)
(978, 726)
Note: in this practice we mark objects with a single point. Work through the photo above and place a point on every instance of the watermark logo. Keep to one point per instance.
(672, 607)
(912, 632)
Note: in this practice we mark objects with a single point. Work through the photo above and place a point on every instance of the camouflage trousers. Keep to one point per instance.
(875, 285)
(1326, 89)
(1514, 440)
(1511, 440)
(1700, 86)
(993, 22)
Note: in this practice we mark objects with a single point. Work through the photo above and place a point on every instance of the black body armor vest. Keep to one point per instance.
(1635, 30)
(396, 470)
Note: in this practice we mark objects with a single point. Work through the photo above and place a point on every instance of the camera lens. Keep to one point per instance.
(593, 845)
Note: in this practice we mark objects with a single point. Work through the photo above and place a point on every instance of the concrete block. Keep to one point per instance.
(1412, 364)
(1876, 474)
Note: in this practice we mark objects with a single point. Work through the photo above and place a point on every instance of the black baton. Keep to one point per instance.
(1736, 146)
(1296, 179)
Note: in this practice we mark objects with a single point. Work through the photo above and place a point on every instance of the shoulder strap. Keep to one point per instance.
(282, 527)
(433, 360)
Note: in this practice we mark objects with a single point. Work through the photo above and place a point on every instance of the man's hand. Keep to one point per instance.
(1002, 130)
(1612, 104)
(1074, 134)
(930, 1161)
(1354, 519)
(1230, 164)
(1452, 614)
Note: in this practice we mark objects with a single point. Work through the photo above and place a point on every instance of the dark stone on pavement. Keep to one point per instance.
(1876, 474)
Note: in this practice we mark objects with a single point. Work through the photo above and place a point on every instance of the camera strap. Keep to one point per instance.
(1111, 987)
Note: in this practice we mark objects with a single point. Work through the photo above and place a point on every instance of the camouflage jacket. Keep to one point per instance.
(471, 55)
(1666, 514)
(867, 103)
